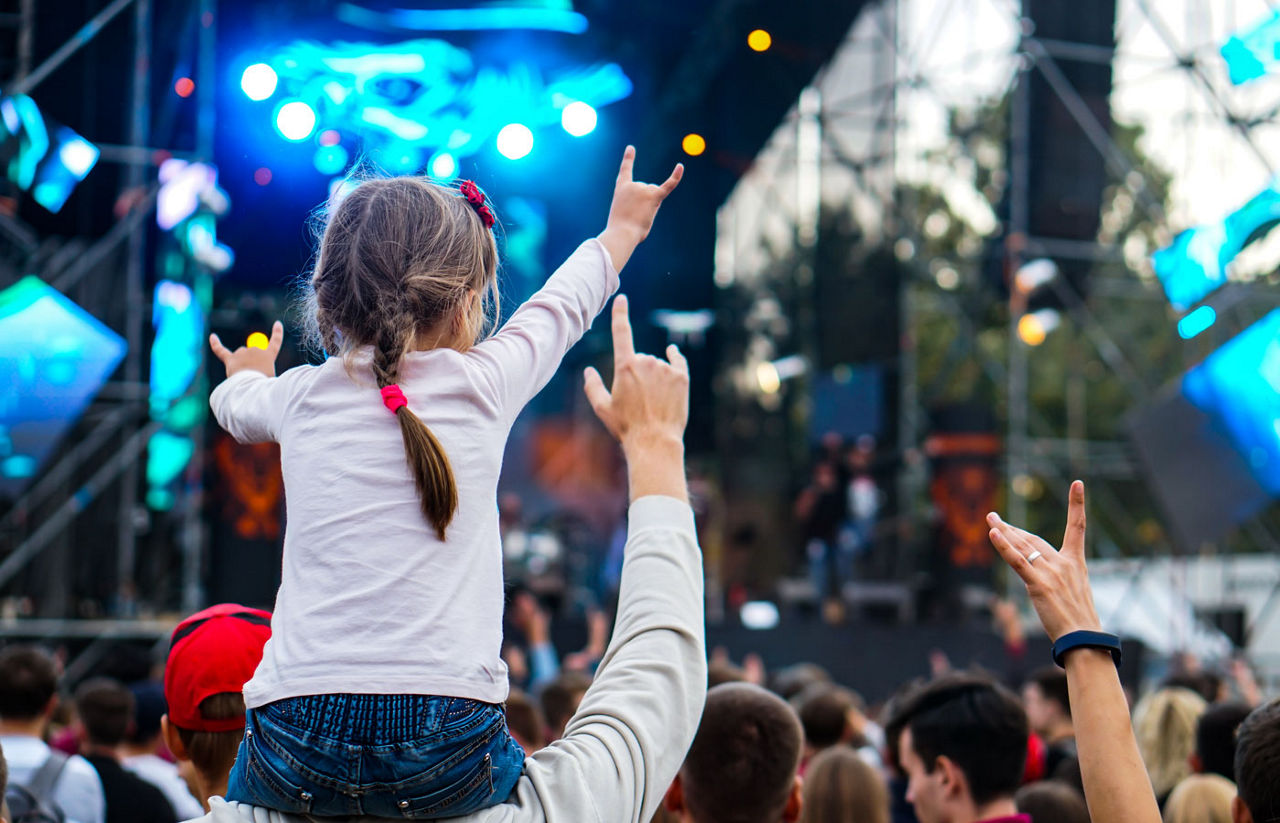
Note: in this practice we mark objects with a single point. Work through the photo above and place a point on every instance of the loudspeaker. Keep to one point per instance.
(1067, 172)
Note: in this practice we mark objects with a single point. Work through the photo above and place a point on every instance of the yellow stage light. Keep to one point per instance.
(693, 144)
(257, 340)
(759, 40)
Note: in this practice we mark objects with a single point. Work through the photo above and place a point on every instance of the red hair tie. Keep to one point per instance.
(476, 198)
(393, 398)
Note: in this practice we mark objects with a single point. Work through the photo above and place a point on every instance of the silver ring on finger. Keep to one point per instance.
(1034, 556)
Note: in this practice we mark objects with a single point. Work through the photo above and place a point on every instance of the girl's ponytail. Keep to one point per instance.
(432, 474)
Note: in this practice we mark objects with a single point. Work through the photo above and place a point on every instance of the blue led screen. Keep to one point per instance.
(54, 357)
(1254, 51)
(1238, 387)
(1196, 263)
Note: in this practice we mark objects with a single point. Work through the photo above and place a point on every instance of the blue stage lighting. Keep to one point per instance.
(515, 141)
(1196, 322)
(1238, 386)
(259, 81)
(330, 160)
(578, 119)
(40, 155)
(1196, 263)
(1254, 51)
(536, 15)
(295, 120)
(444, 166)
(434, 96)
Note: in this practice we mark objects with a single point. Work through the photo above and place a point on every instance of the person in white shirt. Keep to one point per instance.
(387, 626)
(28, 697)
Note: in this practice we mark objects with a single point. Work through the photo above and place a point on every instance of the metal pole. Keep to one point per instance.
(23, 85)
(911, 468)
(26, 37)
(127, 456)
(135, 273)
(194, 536)
(1019, 205)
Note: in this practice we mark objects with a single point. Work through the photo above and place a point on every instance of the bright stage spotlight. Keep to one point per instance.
(295, 120)
(515, 141)
(1034, 327)
(759, 40)
(693, 144)
(444, 166)
(578, 118)
(259, 81)
(330, 160)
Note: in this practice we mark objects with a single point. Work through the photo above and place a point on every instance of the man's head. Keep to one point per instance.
(1216, 739)
(1046, 699)
(1256, 767)
(149, 708)
(742, 765)
(28, 683)
(106, 711)
(962, 743)
(212, 655)
(825, 713)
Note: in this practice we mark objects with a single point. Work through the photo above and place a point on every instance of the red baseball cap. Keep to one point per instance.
(212, 652)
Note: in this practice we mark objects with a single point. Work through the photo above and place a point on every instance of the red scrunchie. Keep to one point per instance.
(393, 398)
(476, 198)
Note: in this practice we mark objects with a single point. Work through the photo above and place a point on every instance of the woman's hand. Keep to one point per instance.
(247, 358)
(1057, 581)
(634, 207)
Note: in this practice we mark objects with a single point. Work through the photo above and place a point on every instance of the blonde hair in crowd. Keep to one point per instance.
(402, 257)
(1165, 724)
(839, 787)
(1201, 798)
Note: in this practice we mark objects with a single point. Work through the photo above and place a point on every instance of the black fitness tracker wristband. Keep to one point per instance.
(1089, 640)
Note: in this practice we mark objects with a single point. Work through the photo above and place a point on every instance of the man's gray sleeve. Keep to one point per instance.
(634, 726)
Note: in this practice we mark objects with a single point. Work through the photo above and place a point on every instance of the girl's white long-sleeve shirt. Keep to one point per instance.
(370, 600)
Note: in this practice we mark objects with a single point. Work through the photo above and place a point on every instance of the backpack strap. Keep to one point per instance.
(46, 777)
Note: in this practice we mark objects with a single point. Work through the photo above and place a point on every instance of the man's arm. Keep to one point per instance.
(1116, 785)
(629, 736)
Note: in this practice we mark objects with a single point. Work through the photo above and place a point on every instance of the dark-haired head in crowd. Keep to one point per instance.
(1052, 801)
(1048, 708)
(1257, 766)
(1216, 739)
(742, 766)
(1207, 684)
(961, 740)
(106, 711)
(28, 698)
(560, 699)
(139, 753)
(525, 721)
(825, 714)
